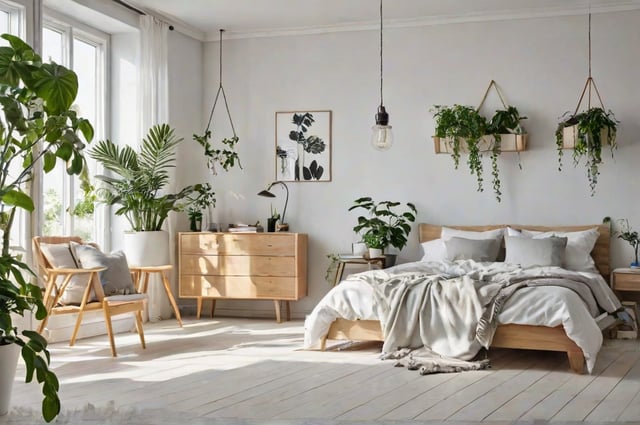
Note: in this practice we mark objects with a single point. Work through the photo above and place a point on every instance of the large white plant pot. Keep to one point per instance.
(8, 364)
(150, 249)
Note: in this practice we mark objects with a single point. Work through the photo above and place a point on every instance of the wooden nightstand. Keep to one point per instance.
(625, 280)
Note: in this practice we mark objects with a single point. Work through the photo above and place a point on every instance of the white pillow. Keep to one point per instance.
(529, 252)
(577, 255)
(513, 232)
(434, 250)
(59, 256)
(448, 233)
(472, 249)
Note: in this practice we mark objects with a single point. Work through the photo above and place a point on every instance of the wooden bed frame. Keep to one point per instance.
(506, 336)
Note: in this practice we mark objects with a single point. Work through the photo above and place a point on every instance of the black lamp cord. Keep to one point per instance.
(381, 80)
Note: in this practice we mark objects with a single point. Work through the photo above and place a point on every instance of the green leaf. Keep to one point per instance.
(86, 128)
(57, 86)
(49, 162)
(18, 199)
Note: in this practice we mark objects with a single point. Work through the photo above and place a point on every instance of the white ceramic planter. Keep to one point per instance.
(150, 249)
(375, 253)
(147, 248)
(8, 364)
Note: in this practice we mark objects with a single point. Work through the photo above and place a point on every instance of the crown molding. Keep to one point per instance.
(531, 13)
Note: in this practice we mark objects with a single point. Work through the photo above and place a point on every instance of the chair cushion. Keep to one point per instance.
(116, 279)
(59, 256)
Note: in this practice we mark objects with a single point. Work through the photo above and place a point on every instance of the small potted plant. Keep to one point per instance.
(626, 234)
(272, 220)
(384, 225)
(203, 198)
(587, 132)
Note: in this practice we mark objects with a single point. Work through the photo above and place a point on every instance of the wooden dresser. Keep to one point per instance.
(262, 266)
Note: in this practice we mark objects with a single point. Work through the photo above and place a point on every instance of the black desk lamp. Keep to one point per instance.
(268, 194)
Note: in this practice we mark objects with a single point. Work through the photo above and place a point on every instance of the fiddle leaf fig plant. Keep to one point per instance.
(594, 128)
(38, 128)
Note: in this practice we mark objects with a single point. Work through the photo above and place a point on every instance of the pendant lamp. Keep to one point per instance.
(382, 136)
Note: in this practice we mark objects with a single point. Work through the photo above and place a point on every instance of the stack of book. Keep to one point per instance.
(242, 228)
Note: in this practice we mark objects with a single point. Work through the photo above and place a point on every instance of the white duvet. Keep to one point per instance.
(547, 305)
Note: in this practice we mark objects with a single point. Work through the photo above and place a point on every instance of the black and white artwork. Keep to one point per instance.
(303, 146)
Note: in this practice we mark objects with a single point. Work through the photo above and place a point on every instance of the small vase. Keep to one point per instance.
(635, 265)
(195, 224)
(271, 224)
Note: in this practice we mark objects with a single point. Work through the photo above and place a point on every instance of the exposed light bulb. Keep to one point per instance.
(382, 136)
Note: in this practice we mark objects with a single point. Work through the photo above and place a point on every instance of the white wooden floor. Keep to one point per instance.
(242, 368)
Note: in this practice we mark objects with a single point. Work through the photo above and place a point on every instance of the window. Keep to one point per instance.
(83, 50)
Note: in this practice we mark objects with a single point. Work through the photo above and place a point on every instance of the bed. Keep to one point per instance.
(578, 331)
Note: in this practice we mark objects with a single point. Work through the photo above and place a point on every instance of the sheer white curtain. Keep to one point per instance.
(154, 109)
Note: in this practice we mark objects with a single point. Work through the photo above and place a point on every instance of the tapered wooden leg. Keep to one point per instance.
(576, 361)
(277, 305)
(198, 307)
(83, 304)
(213, 306)
(138, 315)
(167, 288)
(288, 310)
(107, 320)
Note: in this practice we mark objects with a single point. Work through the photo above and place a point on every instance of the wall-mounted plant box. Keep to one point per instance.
(570, 137)
(508, 143)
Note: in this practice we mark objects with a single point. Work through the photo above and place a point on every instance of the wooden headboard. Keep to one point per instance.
(600, 252)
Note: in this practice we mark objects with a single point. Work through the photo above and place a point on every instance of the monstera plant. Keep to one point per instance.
(38, 128)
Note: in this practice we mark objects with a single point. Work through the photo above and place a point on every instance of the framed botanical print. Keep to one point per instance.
(303, 146)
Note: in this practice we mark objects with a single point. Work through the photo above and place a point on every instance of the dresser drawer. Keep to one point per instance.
(236, 265)
(249, 287)
(238, 244)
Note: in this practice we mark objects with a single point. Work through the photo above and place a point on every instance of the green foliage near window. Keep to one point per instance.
(384, 224)
(138, 179)
(591, 124)
(38, 128)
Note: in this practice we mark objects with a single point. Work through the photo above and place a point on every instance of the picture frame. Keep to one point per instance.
(303, 146)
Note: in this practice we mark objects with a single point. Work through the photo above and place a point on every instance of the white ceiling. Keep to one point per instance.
(247, 18)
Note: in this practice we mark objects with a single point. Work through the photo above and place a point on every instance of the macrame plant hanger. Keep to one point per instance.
(590, 83)
(225, 157)
(486, 93)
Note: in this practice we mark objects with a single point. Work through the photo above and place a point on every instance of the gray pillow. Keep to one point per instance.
(60, 257)
(472, 249)
(116, 279)
(535, 252)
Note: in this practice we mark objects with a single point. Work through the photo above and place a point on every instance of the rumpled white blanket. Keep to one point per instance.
(452, 296)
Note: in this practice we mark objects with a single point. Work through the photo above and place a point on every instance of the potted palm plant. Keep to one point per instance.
(39, 128)
(384, 224)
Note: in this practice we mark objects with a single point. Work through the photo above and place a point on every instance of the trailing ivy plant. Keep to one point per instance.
(504, 121)
(591, 124)
(458, 123)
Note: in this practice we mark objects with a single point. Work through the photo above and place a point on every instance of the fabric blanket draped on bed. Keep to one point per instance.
(452, 310)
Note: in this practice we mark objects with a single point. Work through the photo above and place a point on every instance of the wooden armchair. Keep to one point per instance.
(57, 279)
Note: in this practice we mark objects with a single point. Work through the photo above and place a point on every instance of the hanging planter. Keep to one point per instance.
(587, 132)
(462, 129)
(226, 156)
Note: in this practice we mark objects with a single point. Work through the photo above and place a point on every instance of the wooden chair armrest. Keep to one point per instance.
(62, 270)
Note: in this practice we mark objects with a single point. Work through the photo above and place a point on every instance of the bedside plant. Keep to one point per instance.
(383, 225)
(625, 233)
(588, 131)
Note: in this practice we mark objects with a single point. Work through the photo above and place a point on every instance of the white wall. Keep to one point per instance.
(541, 66)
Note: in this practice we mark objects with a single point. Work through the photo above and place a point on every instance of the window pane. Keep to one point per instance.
(53, 189)
(4, 26)
(52, 47)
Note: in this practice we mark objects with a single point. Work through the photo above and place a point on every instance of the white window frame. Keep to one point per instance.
(73, 29)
